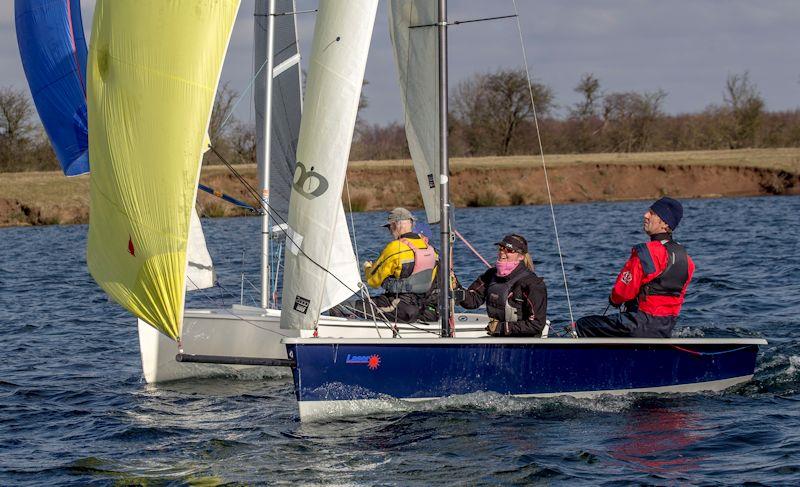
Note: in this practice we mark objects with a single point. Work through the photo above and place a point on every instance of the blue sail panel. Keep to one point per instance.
(52, 46)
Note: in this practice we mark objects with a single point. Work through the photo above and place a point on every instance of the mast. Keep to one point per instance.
(444, 171)
(263, 169)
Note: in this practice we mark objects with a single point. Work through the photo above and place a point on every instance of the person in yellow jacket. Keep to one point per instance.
(405, 269)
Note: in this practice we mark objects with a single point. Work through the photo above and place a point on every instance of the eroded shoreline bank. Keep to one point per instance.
(49, 198)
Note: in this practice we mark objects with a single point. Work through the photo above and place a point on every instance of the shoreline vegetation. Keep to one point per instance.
(47, 198)
(608, 146)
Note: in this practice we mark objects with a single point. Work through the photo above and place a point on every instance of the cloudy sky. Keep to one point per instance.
(685, 47)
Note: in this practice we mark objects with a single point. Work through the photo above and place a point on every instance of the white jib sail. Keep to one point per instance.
(200, 272)
(336, 72)
(416, 54)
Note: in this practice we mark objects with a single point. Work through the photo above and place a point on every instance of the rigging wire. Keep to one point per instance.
(241, 96)
(469, 246)
(265, 207)
(352, 222)
(544, 166)
(211, 299)
(458, 22)
(365, 296)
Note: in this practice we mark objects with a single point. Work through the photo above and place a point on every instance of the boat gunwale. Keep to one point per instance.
(400, 341)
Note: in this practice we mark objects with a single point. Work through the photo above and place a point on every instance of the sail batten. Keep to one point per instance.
(152, 75)
(416, 52)
(338, 59)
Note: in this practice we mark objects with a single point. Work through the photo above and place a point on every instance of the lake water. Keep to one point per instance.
(74, 409)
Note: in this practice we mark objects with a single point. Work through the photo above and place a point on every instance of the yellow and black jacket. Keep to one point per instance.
(396, 262)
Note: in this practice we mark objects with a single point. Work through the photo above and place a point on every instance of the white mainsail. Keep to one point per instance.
(416, 54)
(342, 36)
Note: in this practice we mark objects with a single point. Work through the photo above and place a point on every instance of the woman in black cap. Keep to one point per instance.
(515, 297)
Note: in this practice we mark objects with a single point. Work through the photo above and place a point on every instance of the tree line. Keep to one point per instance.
(491, 115)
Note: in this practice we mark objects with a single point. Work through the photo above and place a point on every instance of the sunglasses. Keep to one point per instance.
(507, 250)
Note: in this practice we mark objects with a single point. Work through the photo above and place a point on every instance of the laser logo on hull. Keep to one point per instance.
(371, 361)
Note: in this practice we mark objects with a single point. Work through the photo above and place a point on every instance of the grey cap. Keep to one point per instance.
(399, 214)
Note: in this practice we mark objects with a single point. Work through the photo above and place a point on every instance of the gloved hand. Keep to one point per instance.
(494, 328)
(612, 303)
(459, 294)
(367, 265)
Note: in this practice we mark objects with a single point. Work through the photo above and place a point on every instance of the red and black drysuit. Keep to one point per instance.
(651, 286)
(518, 301)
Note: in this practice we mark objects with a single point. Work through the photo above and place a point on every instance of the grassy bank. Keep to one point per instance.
(38, 198)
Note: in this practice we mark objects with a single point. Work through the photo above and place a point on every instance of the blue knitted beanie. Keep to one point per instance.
(670, 210)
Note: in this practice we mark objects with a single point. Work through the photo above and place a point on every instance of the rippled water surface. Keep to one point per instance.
(74, 408)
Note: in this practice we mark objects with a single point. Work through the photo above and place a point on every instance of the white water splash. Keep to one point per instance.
(689, 332)
(480, 401)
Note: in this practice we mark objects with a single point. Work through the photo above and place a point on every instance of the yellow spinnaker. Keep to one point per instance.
(153, 71)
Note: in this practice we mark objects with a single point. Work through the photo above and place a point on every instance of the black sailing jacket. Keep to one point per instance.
(521, 293)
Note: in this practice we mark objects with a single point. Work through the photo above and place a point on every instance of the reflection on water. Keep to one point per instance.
(657, 441)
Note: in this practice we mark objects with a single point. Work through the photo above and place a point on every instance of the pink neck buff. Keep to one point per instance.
(505, 267)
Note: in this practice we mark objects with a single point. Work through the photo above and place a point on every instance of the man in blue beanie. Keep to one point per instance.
(651, 286)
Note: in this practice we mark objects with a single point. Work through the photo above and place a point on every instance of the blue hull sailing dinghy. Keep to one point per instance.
(340, 376)
(335, 376)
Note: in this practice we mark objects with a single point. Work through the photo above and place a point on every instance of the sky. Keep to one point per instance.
(684, 47)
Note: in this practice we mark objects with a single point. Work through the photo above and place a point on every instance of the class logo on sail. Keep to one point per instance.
(371, 361)
(309, 183)
(301, 304)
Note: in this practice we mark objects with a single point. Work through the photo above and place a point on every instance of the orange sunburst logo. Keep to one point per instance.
(374, 362)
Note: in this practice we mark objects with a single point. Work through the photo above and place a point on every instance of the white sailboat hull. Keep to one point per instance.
(245, 331)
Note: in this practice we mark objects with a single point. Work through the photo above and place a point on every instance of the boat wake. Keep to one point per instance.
(777, 374)
(490, 402)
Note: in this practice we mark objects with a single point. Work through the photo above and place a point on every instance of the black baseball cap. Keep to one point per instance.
(514, 242)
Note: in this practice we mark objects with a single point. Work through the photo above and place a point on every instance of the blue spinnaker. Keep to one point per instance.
(52, 46)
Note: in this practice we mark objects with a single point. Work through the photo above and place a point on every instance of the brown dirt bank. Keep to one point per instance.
(49, 198)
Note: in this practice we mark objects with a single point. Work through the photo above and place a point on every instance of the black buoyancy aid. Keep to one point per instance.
(421, 278)
(672, 280)
(497, 294)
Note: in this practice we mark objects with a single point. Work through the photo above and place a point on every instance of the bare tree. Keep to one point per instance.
(222, 113)
(243, 141)
(589, 87)
(629, 119)
(17, 129)
(583, 121)
(491, 107)
(363, 103)
(375, 142)
(15, 114)
(746, 107)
